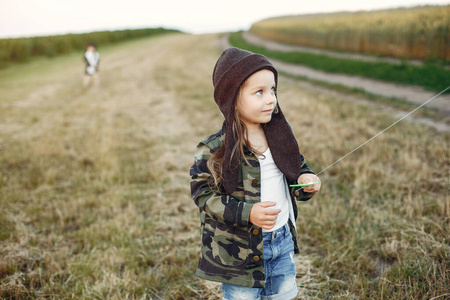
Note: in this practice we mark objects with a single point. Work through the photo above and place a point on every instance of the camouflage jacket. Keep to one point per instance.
(232, 247)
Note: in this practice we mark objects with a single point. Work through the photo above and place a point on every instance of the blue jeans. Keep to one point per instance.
(279, 267)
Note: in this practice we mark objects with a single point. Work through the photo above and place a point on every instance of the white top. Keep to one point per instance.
(92, 59)
(274, 188)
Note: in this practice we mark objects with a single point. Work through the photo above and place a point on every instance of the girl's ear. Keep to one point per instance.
(276, 110)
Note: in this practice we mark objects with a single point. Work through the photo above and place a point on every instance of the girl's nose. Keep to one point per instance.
(271, 98)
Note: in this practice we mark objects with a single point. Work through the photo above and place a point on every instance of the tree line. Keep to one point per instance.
(22, 49)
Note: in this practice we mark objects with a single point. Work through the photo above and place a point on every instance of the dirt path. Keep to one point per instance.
(413, 94)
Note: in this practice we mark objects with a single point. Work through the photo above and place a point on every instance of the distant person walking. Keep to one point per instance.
(92, 59)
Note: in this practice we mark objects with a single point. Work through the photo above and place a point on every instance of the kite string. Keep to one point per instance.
(405, 116)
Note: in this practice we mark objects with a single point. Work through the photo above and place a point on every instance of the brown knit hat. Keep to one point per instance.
(233, 67)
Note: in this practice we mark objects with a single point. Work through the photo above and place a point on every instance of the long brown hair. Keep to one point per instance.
(216, 160)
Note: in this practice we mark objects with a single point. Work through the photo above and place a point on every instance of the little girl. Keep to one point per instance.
(91, 58)
(240, 182)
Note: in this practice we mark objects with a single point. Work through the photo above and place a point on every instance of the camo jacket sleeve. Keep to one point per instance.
(219, 206)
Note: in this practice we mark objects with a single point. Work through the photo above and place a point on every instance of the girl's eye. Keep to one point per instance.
(259, 92)
(274, 90)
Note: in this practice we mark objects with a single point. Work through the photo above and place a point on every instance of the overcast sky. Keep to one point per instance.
(48, 17)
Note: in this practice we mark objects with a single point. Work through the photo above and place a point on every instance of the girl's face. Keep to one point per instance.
(256, 98)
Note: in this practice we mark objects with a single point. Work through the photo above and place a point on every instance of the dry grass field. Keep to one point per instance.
(94, 185)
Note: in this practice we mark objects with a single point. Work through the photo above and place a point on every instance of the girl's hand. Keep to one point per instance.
(262, 216)
(305, 178)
